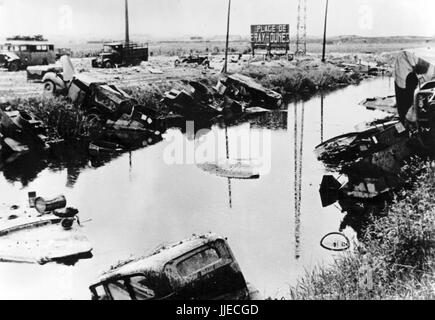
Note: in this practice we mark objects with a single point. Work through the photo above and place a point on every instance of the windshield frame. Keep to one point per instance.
(127, 282)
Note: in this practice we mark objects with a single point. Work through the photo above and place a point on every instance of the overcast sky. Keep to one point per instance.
(163, 18)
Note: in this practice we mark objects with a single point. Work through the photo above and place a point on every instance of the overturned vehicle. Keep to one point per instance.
(21, 132)
(414, 101)
(234, 95)
(372, 158)
(200, 101)
(243, 88)
(200, 268)
(103, 103)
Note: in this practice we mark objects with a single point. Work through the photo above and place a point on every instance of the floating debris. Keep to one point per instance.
(234, 169)
(335, 241)
(33, 239)
(43, 206)
(104, 147)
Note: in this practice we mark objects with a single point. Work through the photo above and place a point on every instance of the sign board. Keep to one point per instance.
(270, 36)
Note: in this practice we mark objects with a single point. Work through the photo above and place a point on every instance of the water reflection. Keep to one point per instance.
(72, 157)
(274, 224)
(298, 137)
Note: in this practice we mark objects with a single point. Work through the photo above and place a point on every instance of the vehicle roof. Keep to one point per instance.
(29, 43)
(158, 260)
(427, 54)
(408, 59)
(114, 43)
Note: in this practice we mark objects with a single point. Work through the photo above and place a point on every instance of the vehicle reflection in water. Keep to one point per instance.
(73, 158)
(135, 201)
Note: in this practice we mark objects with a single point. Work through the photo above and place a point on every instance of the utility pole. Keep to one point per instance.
(324, 33)
(127, 30)
(228, 38)
(301, 38)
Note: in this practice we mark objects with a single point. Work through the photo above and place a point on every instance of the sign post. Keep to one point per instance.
(270, 36)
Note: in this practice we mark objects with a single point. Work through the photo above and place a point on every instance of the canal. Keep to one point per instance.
(154, 195)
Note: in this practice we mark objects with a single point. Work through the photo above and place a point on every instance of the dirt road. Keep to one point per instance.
(161, 69)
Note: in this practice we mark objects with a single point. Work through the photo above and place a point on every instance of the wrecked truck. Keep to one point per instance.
(104, 103)
(200, 268)
(243, 88)
(414, 102)
(20, 132)
(200, 101)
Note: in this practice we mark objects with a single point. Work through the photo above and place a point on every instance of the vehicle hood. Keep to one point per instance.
(106, 54)
(10, 55)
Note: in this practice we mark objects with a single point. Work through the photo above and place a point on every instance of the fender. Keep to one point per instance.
(53, 77)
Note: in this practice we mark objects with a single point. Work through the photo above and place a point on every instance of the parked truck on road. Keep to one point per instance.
(31, 51)
(121, 54)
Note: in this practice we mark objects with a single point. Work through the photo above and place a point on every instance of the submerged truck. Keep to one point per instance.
(120, 54)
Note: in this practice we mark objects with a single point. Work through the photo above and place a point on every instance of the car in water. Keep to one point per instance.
(200, 268)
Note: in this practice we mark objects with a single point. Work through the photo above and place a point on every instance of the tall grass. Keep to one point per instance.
(63, 119)
(399, 248)
(300, 80)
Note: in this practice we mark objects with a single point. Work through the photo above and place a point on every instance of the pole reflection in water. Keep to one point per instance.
(230, 201)
(322, 100)
(298, 164)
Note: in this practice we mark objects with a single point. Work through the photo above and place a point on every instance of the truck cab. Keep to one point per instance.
(200, 268)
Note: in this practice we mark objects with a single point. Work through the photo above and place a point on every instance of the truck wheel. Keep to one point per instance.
(14, 66)
(108, 65)
(49, 88)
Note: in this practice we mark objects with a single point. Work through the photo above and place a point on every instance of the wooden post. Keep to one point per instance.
(127, 29)
(228, 38)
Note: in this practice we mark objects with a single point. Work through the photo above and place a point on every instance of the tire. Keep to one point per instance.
(14, 66)
(177, 63)
(49, 88)
(108, 65)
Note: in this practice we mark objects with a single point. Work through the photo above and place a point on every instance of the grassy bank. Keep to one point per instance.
(399, 250)
(62, 119)
(301, 79)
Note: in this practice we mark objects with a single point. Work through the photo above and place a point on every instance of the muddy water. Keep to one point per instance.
(138, 201)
